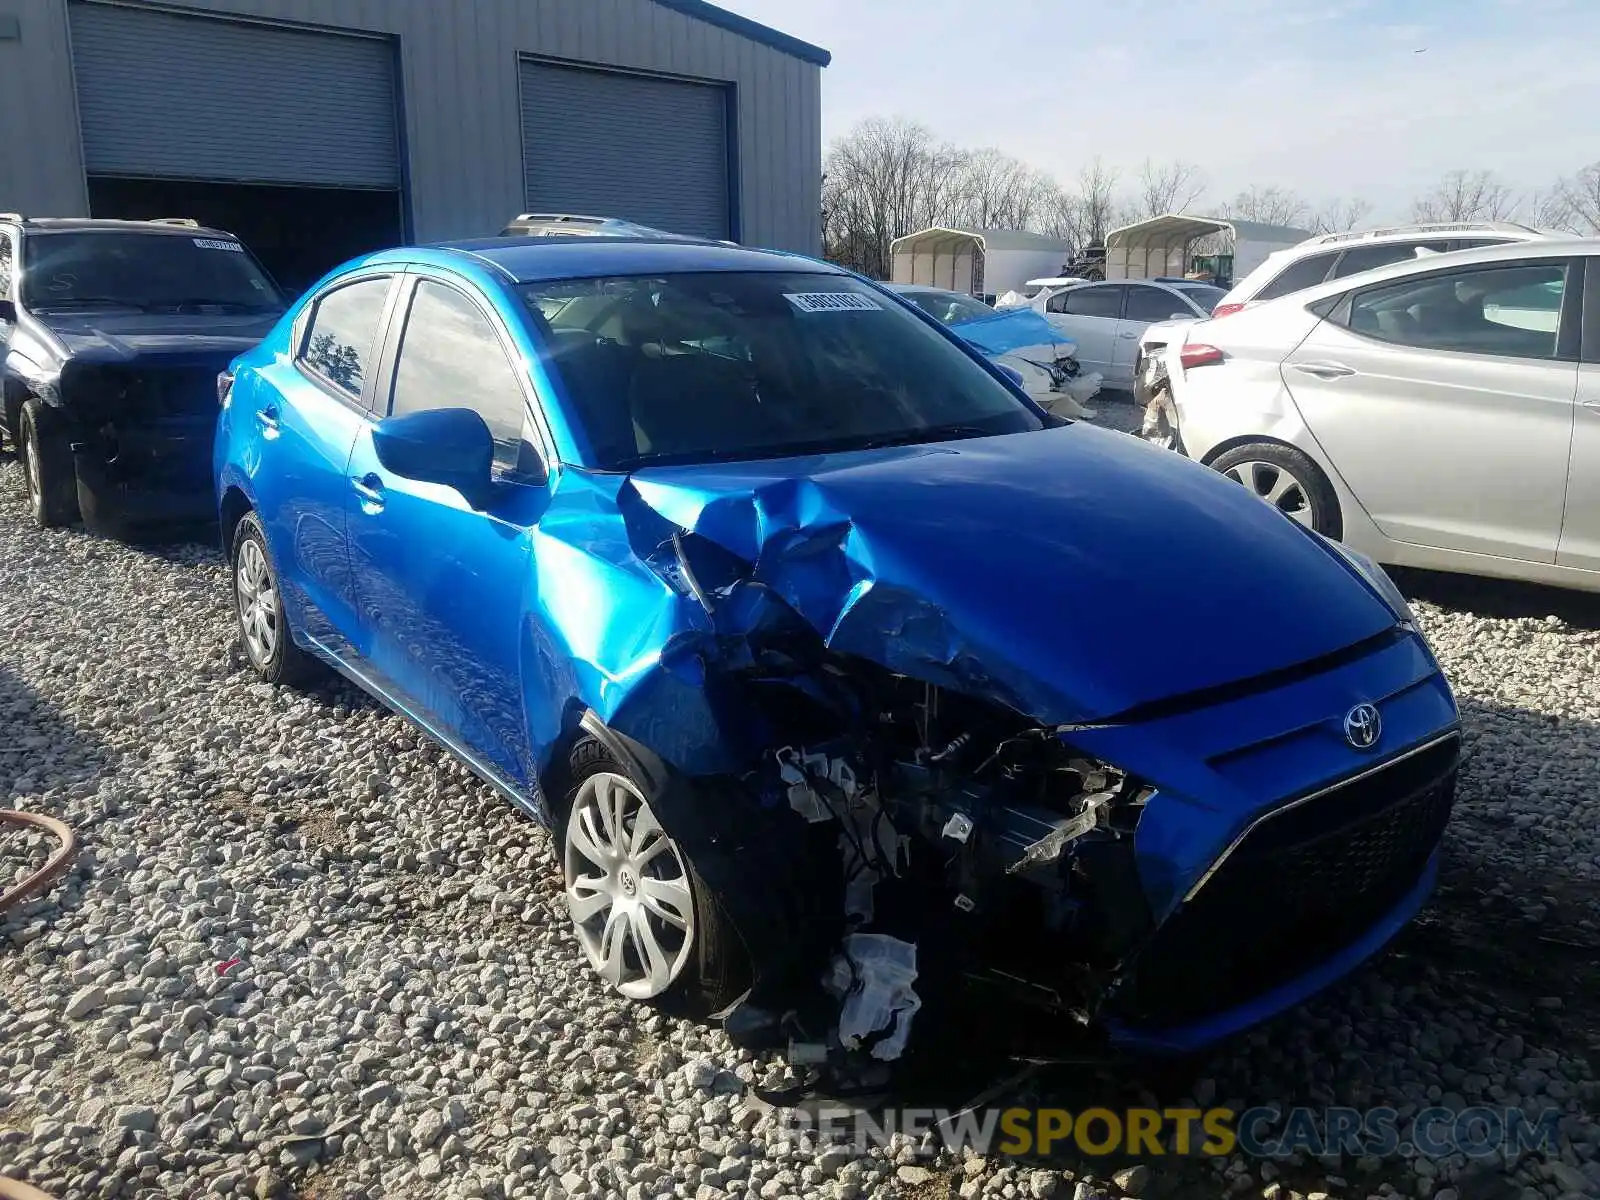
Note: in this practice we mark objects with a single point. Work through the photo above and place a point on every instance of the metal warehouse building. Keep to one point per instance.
(316, 129)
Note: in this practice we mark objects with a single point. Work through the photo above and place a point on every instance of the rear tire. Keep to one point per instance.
(47, 468)
(1286, 479)
(258, 610)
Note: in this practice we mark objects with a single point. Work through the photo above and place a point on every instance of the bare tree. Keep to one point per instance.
(1269, 205)
(1578, 202)
(1466, 196)
(1095, 204)
(1340, 215)
(883, 179)
(1169, 188)
(992, 190)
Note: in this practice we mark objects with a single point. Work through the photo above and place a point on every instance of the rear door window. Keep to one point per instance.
(5, 265)
(1365, 258)
(339, 343)
(1088, 302)
(1153, 304)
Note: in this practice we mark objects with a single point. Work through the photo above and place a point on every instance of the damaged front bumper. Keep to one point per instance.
(146, 476)
(1159, 919)
(142, 441)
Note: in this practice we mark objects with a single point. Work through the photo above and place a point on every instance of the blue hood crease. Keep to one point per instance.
(990, 566)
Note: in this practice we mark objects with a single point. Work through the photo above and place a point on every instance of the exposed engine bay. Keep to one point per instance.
(961, 826)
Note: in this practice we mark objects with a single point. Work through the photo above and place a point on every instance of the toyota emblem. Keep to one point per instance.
(1362, 725)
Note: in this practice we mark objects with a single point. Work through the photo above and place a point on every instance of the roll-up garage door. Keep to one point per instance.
(180, 97)
(609, 144)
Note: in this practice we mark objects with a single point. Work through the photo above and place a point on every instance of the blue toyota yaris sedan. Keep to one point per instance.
(788, 613)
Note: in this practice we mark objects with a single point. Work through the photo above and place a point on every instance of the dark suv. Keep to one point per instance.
(112, 334)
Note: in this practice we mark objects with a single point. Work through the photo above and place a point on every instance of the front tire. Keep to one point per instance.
(648, 923)
(258, 609)
(1288, 480)
(47, 468)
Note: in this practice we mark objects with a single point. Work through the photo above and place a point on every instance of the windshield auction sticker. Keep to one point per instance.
(217, 244)
(818, 302)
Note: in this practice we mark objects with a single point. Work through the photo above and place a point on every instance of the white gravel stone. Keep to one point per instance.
(407, 1014)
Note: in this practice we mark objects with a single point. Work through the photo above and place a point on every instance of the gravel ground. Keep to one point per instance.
(357, 980)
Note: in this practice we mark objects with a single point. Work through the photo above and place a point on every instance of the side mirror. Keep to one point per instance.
(1011, 373)
(8, 311)
(450, 446)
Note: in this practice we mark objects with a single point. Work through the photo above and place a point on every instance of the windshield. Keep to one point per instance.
(147, 271)
(722, 366)
(1203, 294)
(949, 308)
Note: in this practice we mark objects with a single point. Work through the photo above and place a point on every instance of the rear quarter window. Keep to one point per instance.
(1297, 276)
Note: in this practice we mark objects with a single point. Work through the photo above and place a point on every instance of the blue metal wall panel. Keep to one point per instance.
(257, 103)
(614, 144)
(462, 122)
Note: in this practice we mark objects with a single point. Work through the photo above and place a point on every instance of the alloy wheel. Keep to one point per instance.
(258, 603)
(1277, 487)
(31, 476)
(627, 888)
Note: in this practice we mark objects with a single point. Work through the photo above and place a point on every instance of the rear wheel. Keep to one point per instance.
(258, 607)
(46, 467)
(1286, 479)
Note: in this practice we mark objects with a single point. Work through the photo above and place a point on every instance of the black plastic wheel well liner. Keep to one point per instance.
(1249, 439)
(235, 504)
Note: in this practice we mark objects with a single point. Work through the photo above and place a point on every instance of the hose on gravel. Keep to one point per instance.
(55, 866)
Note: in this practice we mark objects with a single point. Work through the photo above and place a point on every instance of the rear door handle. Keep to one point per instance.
(267, 418)
(1129, 333)
(370, 488)
(1324, 370)
(1592, 405)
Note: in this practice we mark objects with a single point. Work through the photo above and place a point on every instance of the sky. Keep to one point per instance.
(1328, 97)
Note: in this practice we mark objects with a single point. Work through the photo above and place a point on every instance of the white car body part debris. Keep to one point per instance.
(799, 770)
(873, 975)
(958, 827)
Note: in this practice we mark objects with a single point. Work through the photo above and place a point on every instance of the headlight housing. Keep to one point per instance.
(1378, 578)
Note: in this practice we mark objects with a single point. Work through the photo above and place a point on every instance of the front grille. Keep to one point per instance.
(1303, 884)
(167, 392)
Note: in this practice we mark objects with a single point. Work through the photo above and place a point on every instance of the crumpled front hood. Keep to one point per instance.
(1015, 330)
(113, 338)
(1072, 573)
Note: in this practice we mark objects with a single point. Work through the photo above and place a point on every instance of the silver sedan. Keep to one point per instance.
(1441, 413)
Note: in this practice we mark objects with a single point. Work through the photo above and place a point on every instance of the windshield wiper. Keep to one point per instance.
(243, 306)
(70, 301)
(935, 433)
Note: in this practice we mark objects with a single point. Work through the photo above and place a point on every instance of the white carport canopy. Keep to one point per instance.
(936, 258)
(1160, 245)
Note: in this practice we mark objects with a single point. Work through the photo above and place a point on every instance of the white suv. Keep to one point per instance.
(1335, 255)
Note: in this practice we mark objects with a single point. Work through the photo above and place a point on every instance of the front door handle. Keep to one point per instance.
(1324, 370)
(370, 488)
(267, 418)
(1592, 405)
(1129, 333)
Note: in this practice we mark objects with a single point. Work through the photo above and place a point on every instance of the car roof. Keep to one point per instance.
(1425, 231)
(528, 260)
(1105, 283)
(1540, 248)
(107, 225)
